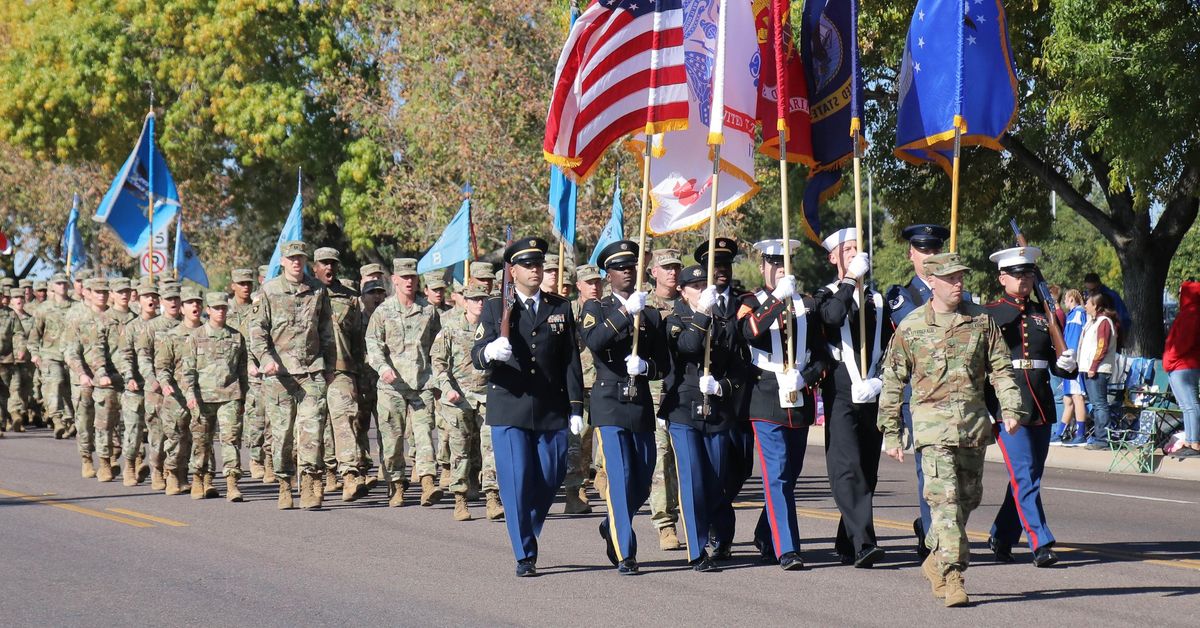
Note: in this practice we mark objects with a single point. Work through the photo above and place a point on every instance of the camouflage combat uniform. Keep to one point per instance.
(341, 430)
(174, 416)
(664, 487)
(95, 340)
(254, 414)
(214, 377)
(133, 402)
(453, 371)
(49, 340)
(122, 318)
(24, 376)
(579, 447)
(144, 343)
(12, 349)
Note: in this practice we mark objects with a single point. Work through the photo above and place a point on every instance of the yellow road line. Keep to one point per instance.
(74, 508)
(141, 515)
(1177, 563)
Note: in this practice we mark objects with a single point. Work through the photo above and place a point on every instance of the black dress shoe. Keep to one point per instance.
(868, 557)
(766, 553)
(845, 559)
(609, 550)
(628, 567)
(1044, 557)
(919, 530)
(791, 561)
(526, 568)
(704, 564)
(722, 552)
(1002, 551)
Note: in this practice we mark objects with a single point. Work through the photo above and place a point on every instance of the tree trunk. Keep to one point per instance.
(1144, 277)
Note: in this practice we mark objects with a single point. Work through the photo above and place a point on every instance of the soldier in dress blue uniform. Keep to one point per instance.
(923, 241)
(1027, 333)
(782, 400)
(852, 439)
(702, 409)
(622, 410)
(535, 390)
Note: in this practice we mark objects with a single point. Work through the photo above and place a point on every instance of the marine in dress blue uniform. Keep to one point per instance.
(535, 384)
(1027, 333)
(622, 410)
(701, 411)
(781, 424)
(852, 440)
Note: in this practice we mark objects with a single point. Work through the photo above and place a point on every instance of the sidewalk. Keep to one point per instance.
(1077, 458)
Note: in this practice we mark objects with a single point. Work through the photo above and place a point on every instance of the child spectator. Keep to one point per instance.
(1097, 359)
(1074, 399)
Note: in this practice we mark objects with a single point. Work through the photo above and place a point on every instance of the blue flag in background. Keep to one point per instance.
(71, 245)
(125, 206)
(957, 70)
(187, 262)
(292, 230)
(819, 188)
(563, 197)
(614, 230)
(829, 48)
(453, 246)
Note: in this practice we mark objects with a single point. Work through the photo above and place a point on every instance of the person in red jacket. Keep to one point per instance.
(1181, 360)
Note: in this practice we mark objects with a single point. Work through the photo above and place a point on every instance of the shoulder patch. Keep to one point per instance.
(479, 332)
(589, 320)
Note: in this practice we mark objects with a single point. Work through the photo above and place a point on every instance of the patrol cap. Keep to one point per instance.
(373, 285)
(8, 282)
(366, 270)
(1016, 260)
(926, 237)
(434, 280)
(666, 257)
(327, 254)
(551, 262)
(292, 248)
(482, 270)
(83, 275)
(16, 293)
(693, 274)
(618, 255)
(96, 284)
(188, 293)
(943, 264)
(145, 285)
(724, 250)
(404, 267)
(772, 250)
(587, 272)
(39, 286)
(262, 270)
(169, 291)
(59, 278)
(840, 237)
(117, 284)
(216, 299)
(476, 292)
(242, 275)
(25, 283)
(526, 251)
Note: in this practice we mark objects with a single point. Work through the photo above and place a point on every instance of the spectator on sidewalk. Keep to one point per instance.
(1181, 360)
(1093, 285)
(1097, 360)
(1074, 396)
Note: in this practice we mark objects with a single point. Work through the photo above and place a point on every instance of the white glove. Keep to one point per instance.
(866, 391)
(636, 366)
(791, 381)
(709, 385)
(708, 299)
(498, 350)
(1066, 361)
(859, 265)
(635, 303)
(785, 288)
(662, 423)
(576, 423)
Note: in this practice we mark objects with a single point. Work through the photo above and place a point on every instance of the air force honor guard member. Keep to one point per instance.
(535, 388)
(782, 400)
(1027, 334)
(622, 409)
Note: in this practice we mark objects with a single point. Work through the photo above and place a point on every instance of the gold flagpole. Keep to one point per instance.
(712, 245)
(958, 124)
(856, 132)
(561, 253)
(641, 265)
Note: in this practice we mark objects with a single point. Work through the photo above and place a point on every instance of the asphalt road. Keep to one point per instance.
(76, 552)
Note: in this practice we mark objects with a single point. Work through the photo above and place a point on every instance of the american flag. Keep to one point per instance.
(621, 71)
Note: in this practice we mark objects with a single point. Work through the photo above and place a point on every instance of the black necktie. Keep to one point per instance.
(529, 305)
(721, 311)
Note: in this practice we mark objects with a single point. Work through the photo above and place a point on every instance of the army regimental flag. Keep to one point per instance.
(71, 245)
(125, 207)
(957, 72)
(614, 230)
(454, 245)
(293, 229)
(187, 261)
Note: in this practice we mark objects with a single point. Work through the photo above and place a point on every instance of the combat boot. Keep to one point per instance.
(104, 471)
(142, 470)
(370, 482)
(332, 485)
(310, 492)
(494, 509)
(600, 483)
(172, 484)
(668, 539)
(956, 593)
(397, 498)
(198, 489)
(232, 493)
(352, 487)
(934, 574)
(256, 470)
(413, 478)
(444, 477)
(460, 507)
(576, 504)
(89, 470)
(285, 494)
(156, 479)
(269, 474)
(181, 477)
(129, 476)
(18, 424)
(209, 490)
(430, 493)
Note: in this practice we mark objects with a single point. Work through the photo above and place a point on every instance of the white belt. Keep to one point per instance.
(1026, 365)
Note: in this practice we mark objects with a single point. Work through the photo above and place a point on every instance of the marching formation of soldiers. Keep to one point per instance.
(670, 396)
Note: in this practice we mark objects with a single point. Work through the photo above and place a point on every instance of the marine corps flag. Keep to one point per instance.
(782, 89)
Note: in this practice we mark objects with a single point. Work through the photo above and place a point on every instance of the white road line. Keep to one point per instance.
(1143, 497)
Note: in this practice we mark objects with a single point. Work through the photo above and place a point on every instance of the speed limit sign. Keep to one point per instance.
(154, 261)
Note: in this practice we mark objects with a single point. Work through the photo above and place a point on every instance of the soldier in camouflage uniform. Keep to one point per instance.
(18, 303)
(13, 351)
(435, 294)
(579, 447)
(133, 400)
(89, 356)
(664, 488)
(949, 351)
(120, 294)
(176, 413)
(399, 338)
(32, 304)
(462, 395)
(342, 454)
(81, 396)
(214, 382)
(253, 414)
(48, 340)
(293, 340)
(373, 294)
(144, 343)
